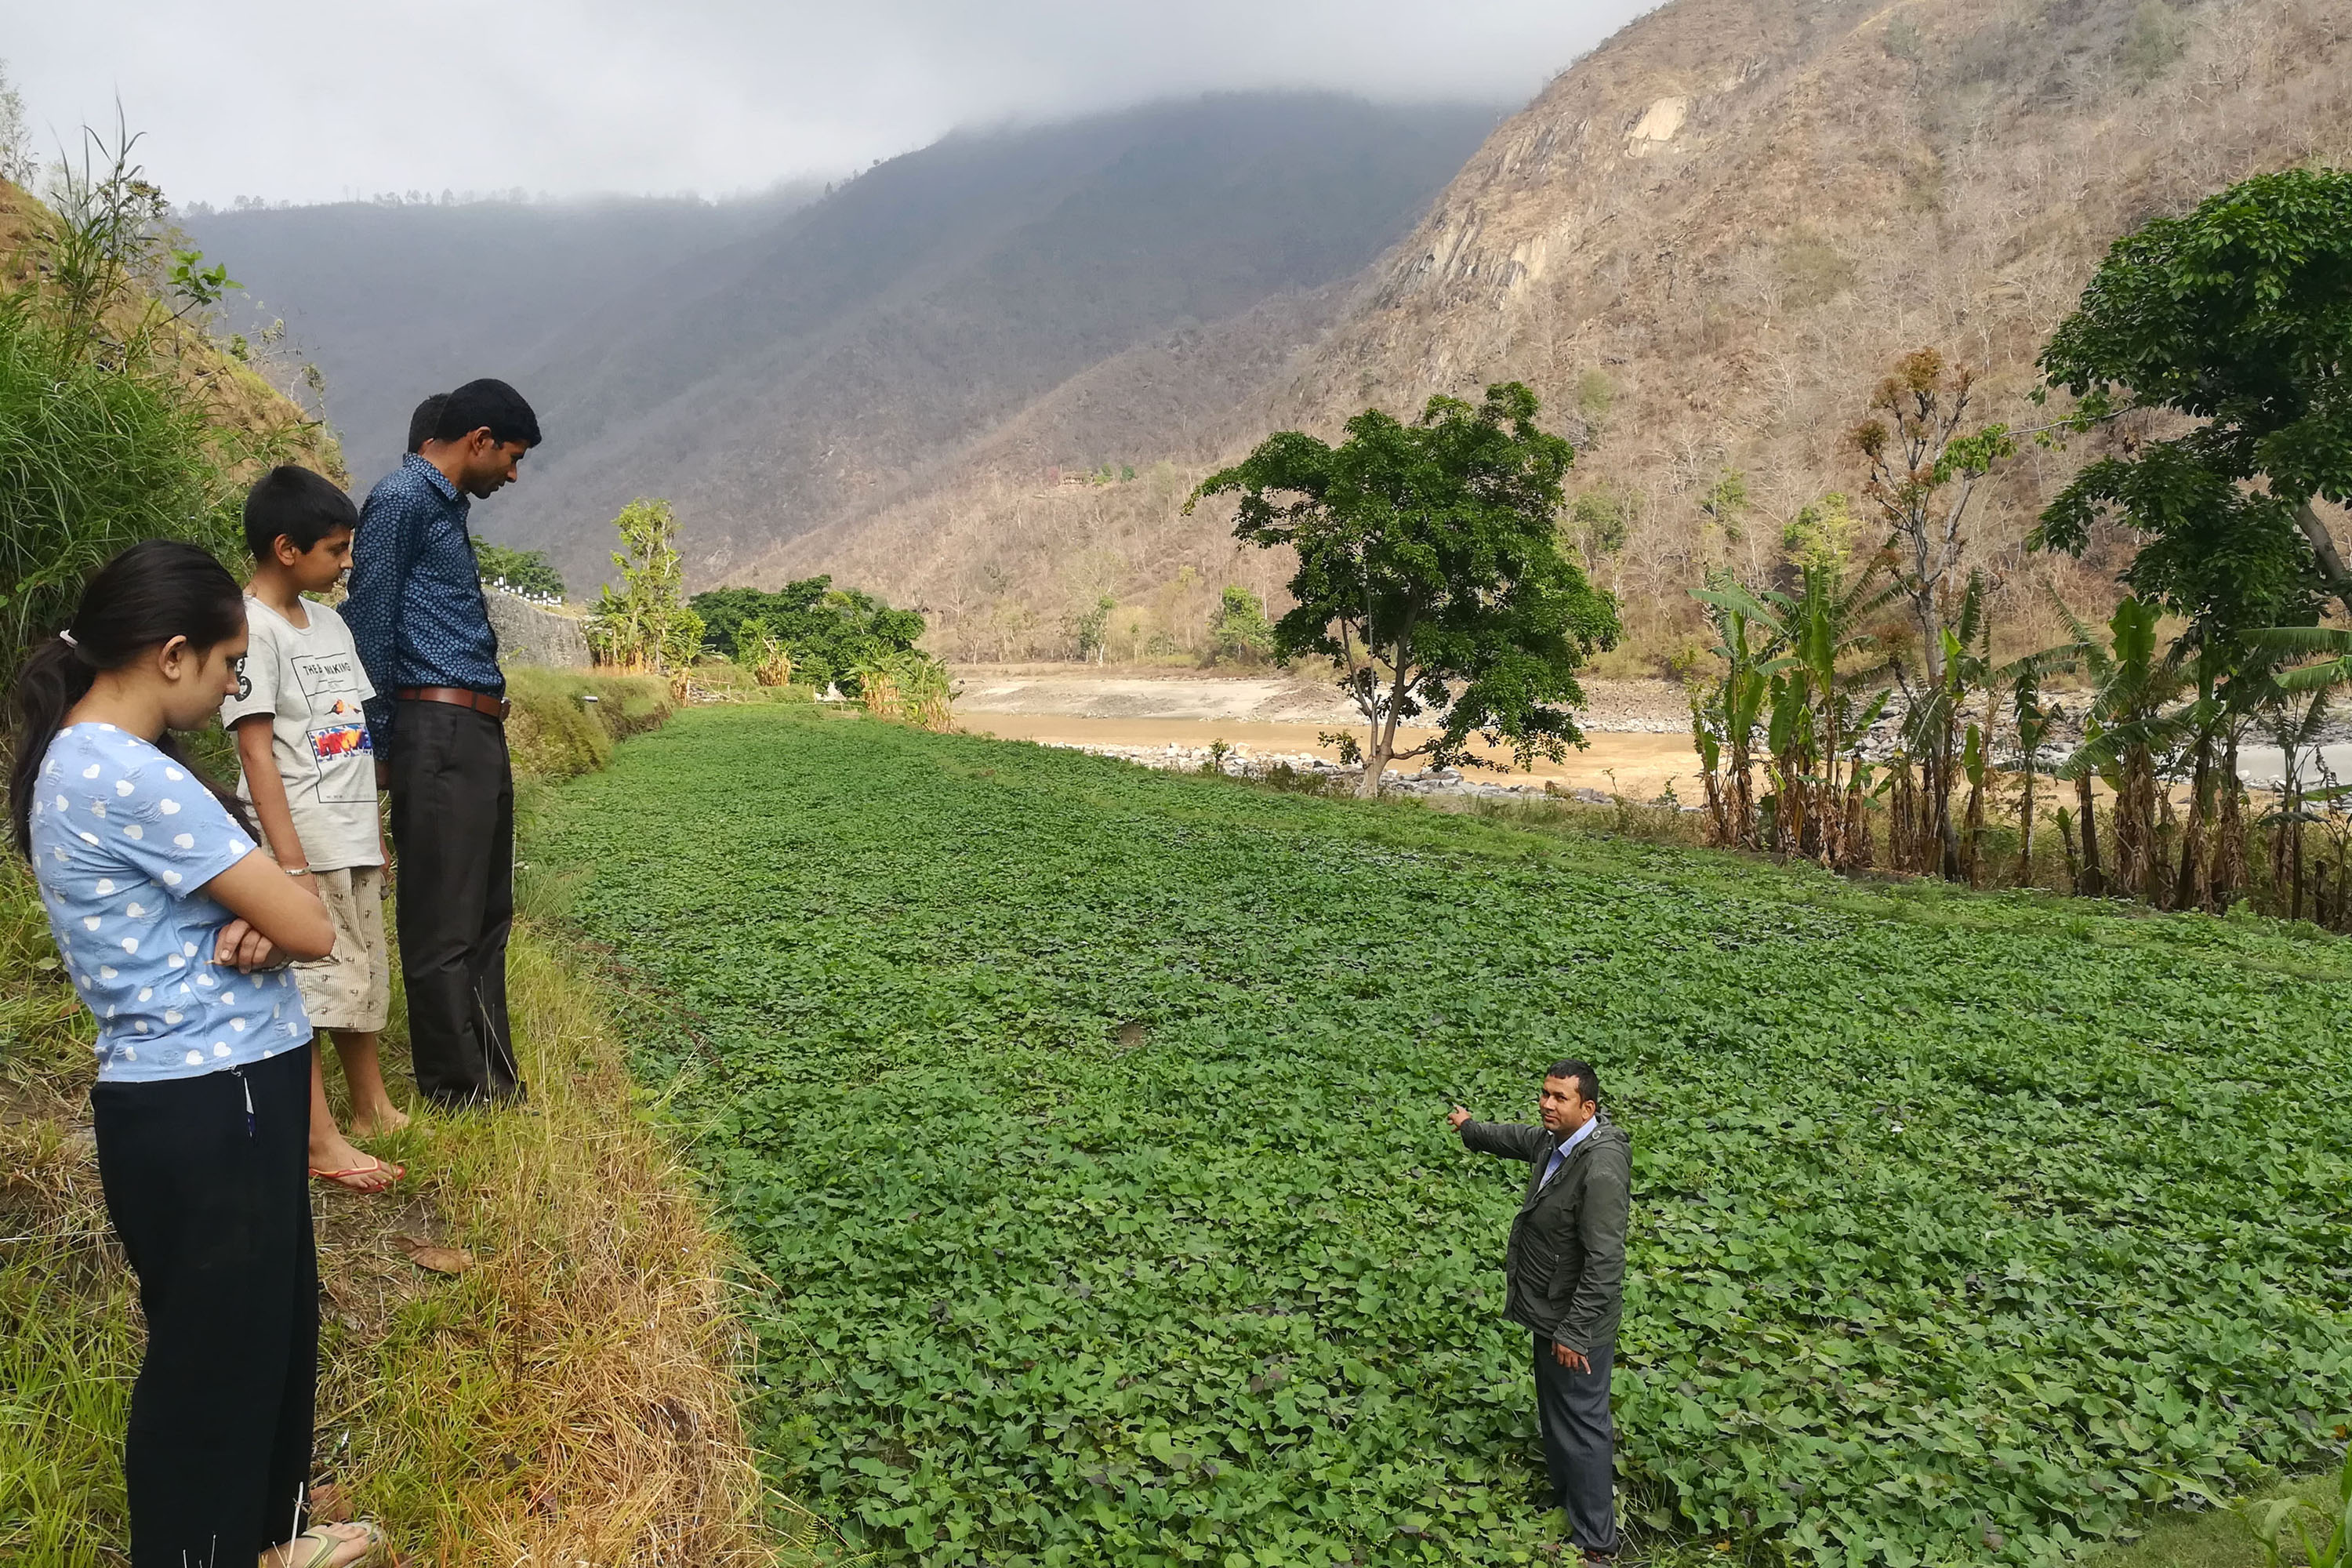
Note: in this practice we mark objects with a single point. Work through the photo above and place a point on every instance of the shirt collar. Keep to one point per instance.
(1579, 1136)
(433, 476)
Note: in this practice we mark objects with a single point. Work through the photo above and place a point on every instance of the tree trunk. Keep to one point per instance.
(2133, 828)
(1743, 795)
(1969, 861)
(1376, 761)
(2322, 547)
(2231, 875)
(2094, 881)
(2186, 892)
(2295, 849)
(2074, 866)
(2025, 828)
(1948, 838)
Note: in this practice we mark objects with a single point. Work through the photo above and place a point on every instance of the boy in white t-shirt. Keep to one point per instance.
(309, 770)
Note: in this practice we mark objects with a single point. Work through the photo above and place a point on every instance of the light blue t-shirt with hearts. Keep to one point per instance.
(123, 840)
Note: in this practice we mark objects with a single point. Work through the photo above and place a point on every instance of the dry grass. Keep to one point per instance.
(570, 1397)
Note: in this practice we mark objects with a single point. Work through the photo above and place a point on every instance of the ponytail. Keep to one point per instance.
(152, 591)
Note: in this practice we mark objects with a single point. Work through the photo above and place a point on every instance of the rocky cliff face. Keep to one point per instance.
(1705, 242)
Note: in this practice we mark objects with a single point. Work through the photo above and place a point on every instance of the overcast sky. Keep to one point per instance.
(293, 100)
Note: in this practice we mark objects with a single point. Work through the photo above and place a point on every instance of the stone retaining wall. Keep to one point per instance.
(528, 633)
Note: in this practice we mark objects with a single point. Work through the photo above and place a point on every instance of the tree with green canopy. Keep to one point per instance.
(1429, 572)
(1239, 632)
(831, 633)
(517, 570)
(2238, 315)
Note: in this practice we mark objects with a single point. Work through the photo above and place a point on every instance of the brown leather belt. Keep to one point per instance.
(496, 707)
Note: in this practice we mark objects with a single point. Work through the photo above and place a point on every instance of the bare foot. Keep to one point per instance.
(332, 1159)
(375, 1121)
(324, 1546)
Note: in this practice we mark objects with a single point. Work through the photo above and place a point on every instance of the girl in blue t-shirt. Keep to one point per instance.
(175, 931)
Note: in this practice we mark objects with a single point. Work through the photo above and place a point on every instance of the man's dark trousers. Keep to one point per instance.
(453, 823)
(1580, 1444)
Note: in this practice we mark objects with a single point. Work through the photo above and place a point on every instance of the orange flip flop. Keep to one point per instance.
(375, 1167)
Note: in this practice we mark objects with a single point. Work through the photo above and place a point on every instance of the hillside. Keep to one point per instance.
(807, 367)
(235, 396)
(394, 301)
(1702, 244)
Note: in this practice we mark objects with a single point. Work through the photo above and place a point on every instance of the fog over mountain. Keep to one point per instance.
(390, 302)
(1702, 246)
(773, 369)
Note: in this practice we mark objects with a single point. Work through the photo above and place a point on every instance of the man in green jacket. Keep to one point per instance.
(1565, 1270)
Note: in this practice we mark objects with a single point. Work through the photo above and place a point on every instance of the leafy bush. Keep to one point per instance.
(1081, 1125)
(910, 685)
(1239, 632)
(830, 631)
(525, 571)
(763, 654)
(555, 736)
(647, 627)
(104, 441)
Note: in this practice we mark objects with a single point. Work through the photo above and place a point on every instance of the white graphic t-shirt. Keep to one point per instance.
(123, 842)
(308, 679)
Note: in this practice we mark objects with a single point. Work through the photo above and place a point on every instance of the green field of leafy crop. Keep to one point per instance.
(1084, 1126)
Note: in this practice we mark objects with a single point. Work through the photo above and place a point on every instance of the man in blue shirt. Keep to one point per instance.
(438, 724)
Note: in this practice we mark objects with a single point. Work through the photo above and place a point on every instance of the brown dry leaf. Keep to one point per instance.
(440, 1259)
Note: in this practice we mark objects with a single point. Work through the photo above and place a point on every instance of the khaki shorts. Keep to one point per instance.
(350, 989)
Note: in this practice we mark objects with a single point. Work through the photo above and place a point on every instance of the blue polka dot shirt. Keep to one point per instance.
(123, 842)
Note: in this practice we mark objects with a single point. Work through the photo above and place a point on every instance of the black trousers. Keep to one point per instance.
(453, 823)
(1580, 1444)
(216, 1222)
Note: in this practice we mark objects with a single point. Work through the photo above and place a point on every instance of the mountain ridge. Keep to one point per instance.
(1703, 244)
(794, 374)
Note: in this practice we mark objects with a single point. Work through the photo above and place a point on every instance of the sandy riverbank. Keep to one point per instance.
(1639, 729)
(1643, 763)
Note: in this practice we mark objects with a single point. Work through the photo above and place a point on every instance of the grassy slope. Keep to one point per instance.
(1969, 1225)
(568, 1399)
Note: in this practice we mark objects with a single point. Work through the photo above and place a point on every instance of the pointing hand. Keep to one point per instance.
(1458, 1115)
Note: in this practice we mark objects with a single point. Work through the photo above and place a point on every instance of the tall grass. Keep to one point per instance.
(113, 423)
(92, 459)
(567, 1398)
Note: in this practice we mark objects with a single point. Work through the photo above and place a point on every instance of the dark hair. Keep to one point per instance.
(156, 590)
(297, 505)
(1587, 1076)
(492, 405)
(427, 416)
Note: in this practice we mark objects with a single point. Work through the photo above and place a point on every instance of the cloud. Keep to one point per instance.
(294, 100)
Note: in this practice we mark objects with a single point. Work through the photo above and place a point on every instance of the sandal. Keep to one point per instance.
(329, 1544)
(389, 1173)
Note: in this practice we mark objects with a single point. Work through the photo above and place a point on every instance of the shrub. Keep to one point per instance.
(552, 733)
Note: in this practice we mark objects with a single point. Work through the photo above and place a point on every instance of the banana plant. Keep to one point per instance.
(2024, 680)
(2132, 682)
(2295, 718)
(1934, 725)
(1816, 724)
(1724, 719)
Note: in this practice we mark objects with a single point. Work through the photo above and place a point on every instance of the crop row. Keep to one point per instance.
(1082, 1125)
